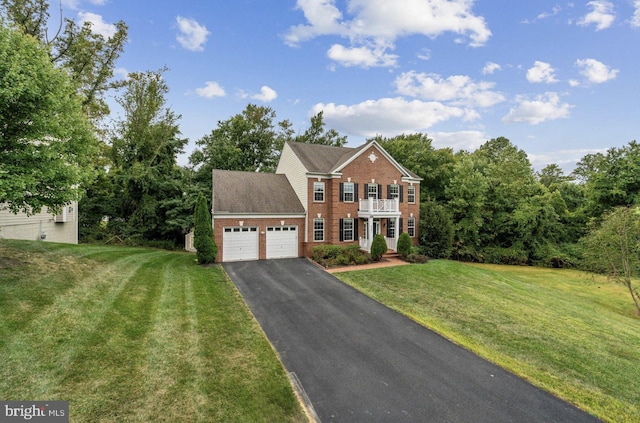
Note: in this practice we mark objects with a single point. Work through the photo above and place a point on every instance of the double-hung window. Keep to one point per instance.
(318, 229)
(394, 191)
(348, 195)
(318, 192)
(372, 191)
(347, 230)
(411, 194)
(411, 226)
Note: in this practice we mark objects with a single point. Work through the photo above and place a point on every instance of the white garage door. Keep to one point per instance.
(282, 241)
(240, 243)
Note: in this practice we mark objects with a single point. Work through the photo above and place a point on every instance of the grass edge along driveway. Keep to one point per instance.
(568, 332)
(134, 335)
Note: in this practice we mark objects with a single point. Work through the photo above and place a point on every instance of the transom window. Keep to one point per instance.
(348, 192)
(347, 229)
(394, 191)
(411, 194)
(372, 191)
(318, 229)
(318, 192)
(411, 226)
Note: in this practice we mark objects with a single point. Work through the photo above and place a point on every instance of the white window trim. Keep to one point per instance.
(344, 230)
(314, 192)
(369, 191)
(314, 229)
(394, 195)
(409, 195)
(353, 192)
(411, 225)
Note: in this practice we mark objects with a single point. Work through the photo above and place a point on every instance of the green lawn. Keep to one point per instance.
(134, 335)
(568, 332)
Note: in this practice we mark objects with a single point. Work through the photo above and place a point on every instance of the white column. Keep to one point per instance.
(396, 232)
(369, 232)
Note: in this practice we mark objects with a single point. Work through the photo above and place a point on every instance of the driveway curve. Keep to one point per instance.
(359, 361)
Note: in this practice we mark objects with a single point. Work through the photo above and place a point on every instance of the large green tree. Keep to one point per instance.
(148, 182)
(88, 57)
(318, 134)
(613, 249)
(46, 142)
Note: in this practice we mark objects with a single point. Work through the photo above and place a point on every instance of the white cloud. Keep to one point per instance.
(461, 140)
(98, 25)
(379, 23)
(387, 116)
(635, 21)
(425, 53)
(602, 15)
(266, 95)
(566, 159)
(361, 56)
(595, 71)
(122, 73)
(457, 89)
(544, 107)
(541, 72)
(490, 68)
(75, 4)
(191, 35)
(211, 89)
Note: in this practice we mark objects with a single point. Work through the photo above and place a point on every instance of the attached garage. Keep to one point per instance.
(282, 242)
(240, 243)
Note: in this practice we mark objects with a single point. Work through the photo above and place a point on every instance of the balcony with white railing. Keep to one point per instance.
(370, 207)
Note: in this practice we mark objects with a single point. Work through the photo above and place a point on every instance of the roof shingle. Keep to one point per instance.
(251, 192)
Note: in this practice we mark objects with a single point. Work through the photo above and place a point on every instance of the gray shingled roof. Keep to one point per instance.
(318, 158)
(251, 192)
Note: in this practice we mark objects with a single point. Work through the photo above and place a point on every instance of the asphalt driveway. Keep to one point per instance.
(359, 361)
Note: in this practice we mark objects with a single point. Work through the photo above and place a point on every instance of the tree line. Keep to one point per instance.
(487, 205)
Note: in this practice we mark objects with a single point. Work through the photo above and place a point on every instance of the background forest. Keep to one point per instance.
(487, 205)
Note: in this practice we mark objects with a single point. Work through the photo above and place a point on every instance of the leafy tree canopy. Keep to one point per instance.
(43, 161)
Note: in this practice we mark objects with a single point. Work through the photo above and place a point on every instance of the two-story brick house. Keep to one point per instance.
(318, 195)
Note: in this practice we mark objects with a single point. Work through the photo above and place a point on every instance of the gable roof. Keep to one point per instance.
(237, 192)
(318, 158)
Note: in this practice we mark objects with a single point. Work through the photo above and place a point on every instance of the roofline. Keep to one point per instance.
(229, 215)
(388, 156)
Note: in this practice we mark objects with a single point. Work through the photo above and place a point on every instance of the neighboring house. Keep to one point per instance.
(318, 195)
(43, 226)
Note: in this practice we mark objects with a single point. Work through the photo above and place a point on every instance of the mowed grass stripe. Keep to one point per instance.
(139, 335)
(106, 379)
(45, 343)
(242, 377)
(172, 370)
(571, 333)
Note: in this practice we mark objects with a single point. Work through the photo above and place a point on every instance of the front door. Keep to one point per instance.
(376, 226)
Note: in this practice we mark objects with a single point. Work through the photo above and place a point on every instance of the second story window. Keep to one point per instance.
(411, 194)
(372, 191)
(318, 192)
(394, 191)
(348, 192)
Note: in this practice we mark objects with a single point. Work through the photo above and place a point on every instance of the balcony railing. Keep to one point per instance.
(371, 205)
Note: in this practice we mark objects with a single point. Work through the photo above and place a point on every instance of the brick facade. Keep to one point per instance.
(361, 171)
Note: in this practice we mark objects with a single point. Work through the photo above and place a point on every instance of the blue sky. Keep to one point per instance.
(559, 79)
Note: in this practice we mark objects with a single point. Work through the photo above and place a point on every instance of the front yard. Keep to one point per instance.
(568, 332)
(134, 335)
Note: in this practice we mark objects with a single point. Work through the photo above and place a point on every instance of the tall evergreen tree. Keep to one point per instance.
(206, 248)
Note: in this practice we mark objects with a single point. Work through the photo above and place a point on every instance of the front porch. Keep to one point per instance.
(381, 216)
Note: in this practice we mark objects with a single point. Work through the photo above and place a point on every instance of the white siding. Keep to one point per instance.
(291, 166)
(31, 228)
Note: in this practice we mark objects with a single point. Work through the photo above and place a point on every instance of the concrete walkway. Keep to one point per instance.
(359, 361)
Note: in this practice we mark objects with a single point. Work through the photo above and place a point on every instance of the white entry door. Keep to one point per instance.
(282, 242)
(240, 243)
